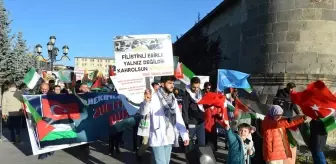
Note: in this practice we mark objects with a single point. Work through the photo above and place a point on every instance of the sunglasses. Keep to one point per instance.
(208, 88)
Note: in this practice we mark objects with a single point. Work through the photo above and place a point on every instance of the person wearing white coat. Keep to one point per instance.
(166, 120)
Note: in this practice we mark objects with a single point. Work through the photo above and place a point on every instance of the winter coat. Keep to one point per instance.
(237, 148)
(318, 135)
(286, 103)
(211, 115)
(190, 111)
(275, 143)
(12, 102)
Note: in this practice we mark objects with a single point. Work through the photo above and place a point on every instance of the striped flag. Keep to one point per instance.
(298, 135)
(47, 127)
(186, 75)
(65, 76)
(32, 79)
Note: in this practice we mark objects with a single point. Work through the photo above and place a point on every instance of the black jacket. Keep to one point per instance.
(318, 135)
(283, 99)
(190, 111)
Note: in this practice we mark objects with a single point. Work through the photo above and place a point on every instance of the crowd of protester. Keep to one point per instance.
(174, 113)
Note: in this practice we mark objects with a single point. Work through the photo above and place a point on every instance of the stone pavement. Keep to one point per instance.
(11, 154)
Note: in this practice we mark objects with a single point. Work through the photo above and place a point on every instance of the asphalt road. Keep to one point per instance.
(21, 154)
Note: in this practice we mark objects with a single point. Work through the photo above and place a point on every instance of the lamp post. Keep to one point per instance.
(52, 52)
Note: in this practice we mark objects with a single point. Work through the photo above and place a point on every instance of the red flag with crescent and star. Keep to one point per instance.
(316, 101)
(59, 111)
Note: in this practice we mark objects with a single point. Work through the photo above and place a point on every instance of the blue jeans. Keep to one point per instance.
(199, 131)
(318, 157)
(161, 154)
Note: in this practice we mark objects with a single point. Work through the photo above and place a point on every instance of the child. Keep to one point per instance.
(240, 145)
(276, 147)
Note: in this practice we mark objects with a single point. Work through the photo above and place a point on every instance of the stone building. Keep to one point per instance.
(277, 41)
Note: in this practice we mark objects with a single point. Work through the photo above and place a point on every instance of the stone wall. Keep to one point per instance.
(279, 41)
(278, 36)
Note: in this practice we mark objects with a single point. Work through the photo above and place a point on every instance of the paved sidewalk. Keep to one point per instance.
(11, 154)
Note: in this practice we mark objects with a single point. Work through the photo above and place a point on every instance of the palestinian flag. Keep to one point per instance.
(42, 127)
(317, 102)
(55, 124)
(97, 85)
(230, 106)
(178, 71)
(247, 117)
(248, 90)
(298, 135)
(330, 121)
(32, 79)
(93, 75)
(111, 70)
(186, 75)
(65, 76)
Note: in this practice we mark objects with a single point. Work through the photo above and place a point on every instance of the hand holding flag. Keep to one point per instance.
(317, 102)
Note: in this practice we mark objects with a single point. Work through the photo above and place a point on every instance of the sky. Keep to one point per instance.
(88, 26)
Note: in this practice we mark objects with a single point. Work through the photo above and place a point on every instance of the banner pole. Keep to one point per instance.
(148, 84)
(1, 137)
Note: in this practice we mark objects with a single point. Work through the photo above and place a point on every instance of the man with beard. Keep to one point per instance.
(166, 121)
(193, 113)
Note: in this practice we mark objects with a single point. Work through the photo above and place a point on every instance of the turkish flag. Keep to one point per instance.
(316, 101)
(218, 100)
(59, 111)
(213, 99)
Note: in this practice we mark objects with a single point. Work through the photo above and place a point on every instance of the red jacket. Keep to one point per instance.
(211, 116)
(275, 143)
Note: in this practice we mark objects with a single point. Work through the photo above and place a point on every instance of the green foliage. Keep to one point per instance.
(14, 61)
(22, 61)
(5, 43)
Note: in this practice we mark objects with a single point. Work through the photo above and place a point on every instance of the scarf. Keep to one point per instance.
(274, 111)
(195, 97)
(168, 101)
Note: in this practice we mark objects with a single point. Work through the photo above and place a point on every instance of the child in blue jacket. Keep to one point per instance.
(240, 145)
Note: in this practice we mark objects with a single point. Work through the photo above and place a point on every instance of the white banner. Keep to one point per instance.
(203, 80)
(79, 74)
(131, 87)
(144, 55)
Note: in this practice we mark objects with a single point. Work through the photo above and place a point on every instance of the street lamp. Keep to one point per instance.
(52, 52)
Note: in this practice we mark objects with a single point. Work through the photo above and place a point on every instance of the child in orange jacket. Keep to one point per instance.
(276, 147)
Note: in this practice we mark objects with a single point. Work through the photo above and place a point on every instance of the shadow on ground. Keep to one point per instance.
(25, 146)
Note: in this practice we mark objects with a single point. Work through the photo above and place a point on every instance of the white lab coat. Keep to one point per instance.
(158, 135)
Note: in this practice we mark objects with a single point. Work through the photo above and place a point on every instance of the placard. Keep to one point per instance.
(132, 87)
(144, 55)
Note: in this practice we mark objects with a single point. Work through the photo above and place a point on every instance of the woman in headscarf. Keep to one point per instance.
(276, 147)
